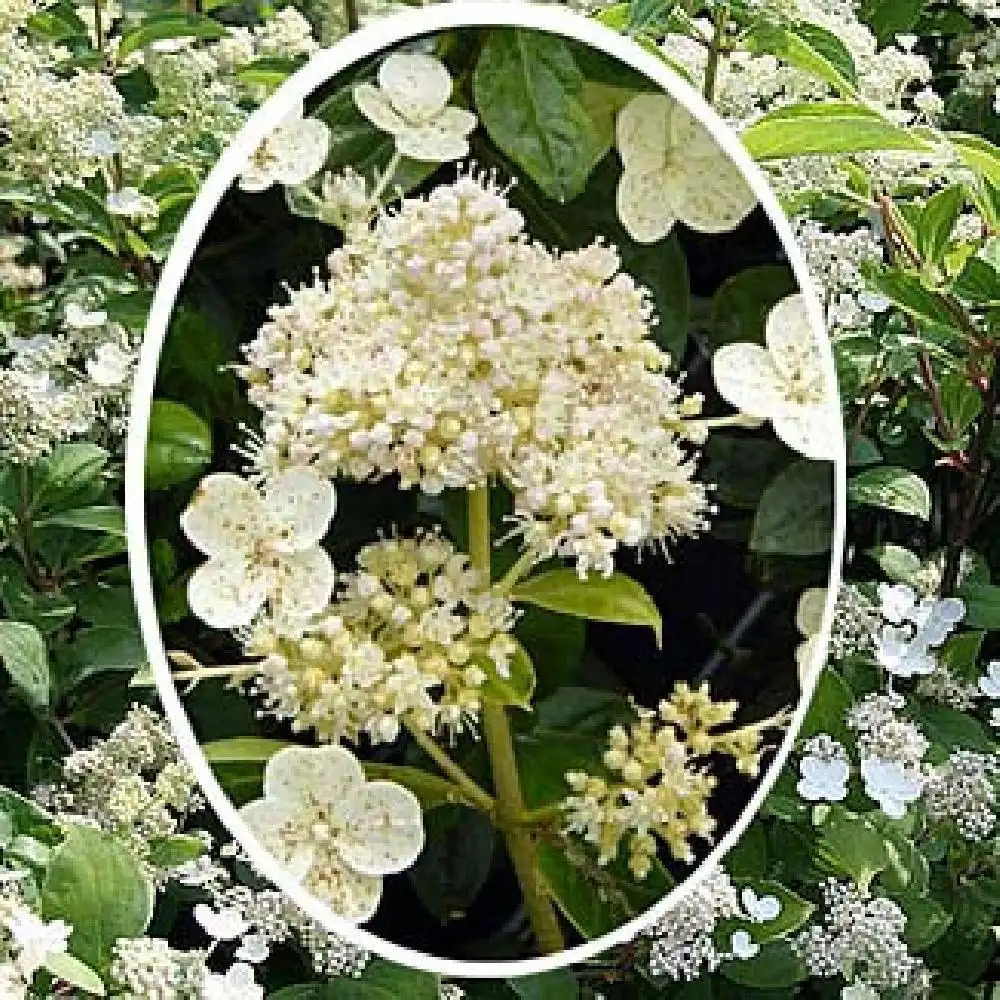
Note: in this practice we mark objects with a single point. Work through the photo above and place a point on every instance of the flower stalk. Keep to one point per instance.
(503, 763)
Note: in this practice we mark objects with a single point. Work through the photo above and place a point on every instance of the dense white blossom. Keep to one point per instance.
(446, 348)
(333, 830)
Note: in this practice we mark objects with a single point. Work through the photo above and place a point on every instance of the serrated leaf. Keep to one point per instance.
(891, 488)
(616, 598)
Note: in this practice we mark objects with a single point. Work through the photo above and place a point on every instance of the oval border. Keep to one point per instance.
(322, 67)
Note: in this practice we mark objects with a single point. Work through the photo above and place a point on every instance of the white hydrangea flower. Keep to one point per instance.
(12, 984)
(743, 946)
(109, 366)
(261, 547)
(236, 983)
(131, 203)
(224, 924)
(295, 151)
(891, 784)
(823, 779)
(36, 940)
(411, 104)
(784, 382)
(916, 626)
(899, 654)
(336, 832)
(760, 909)
(674, 172)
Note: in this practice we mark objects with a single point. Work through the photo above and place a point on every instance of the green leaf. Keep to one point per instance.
(810, 48)
(99, 889)
(68, 969)
(160, 27)
(455, 862)
(177, 849)
(241, 749)
(27, 819)
(851, 845)
(962, 403)
(926, 921)
(949, 729)
(597, 899)
(69, 473)
(382, 981)
(830, 702)
(742, 302)
(888, 18)
(104, 518)
(982, 605)
(899, 564)
(514, 689)
(179, 445)
(106, 648)
(529, 94)
(937, 221)
(267, 74)
(907, 292)
(616, 598)
(776, 966)
(979, 154)
(23, 653)
(557, 984)
(826, 127)
(795, 513)
(740, 467)
(431, 789)
(891, 488)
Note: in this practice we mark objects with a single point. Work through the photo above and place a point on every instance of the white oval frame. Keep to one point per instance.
(323, 66)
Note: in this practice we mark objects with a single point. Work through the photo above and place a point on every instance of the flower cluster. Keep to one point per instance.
(861, 940)
(447, 349)
(27, 943)
(133, 784)
(658, 783)
(913, 627)
(412, 636)
(963, 792)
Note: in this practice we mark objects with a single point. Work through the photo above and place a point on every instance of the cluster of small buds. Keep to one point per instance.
(145, 968)
(963, 792)
(683, 946)
(413, 635)
(944, 686)
(448, 349)
(882, 734)
(855, 625)
(658, 784)
(133, 784)
(17, 277)
(861, 939)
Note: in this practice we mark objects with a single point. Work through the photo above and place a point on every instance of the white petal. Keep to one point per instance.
(375, 106)
(809, 612)
(353, 896)
(642, 131)
(747, 379)
(418, 85)
(300, 150)
(225, 593)
(303, 775)
(255, 179)
(645, 204)
(790, 339)
(302, 583)
(812, 431)
(384, 828)
(429, 144)
(267, 818)
(714, 196)
(300, 503)
(225, 515)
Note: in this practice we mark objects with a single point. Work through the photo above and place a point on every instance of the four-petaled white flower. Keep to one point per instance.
(901, 654)
(236, 983)
(784, 382)
(989, 683)
(823, 779)
(254, 949)
(261, 548)
(891, 784)
(760, 909)
(36, 940)
(295, 151)
(131, 203)
(933, 619)
(109, 366)
(673, 171)
(225, 924)
(743, 946)
(411, 104)
(333, 830)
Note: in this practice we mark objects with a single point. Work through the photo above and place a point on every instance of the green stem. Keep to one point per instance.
(351, 15)
(99, 25)
(458, 777)
(517, 571)
(503, 763)
(714, 53)
(384, 180)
